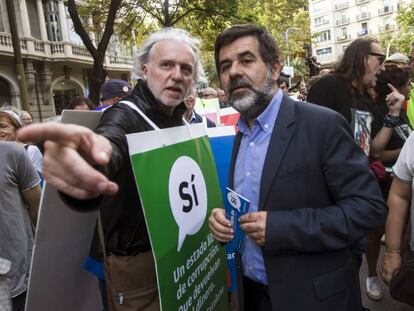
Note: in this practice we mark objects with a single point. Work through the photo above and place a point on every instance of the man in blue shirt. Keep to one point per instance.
(310, 190)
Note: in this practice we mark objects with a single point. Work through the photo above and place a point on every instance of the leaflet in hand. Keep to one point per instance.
(236, 206)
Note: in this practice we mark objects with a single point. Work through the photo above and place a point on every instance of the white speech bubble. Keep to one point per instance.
(234, 200)
(188, 197)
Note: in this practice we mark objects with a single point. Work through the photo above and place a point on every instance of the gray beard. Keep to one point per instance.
(251, 105)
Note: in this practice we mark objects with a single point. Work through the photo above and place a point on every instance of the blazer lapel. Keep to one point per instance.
(279, 142)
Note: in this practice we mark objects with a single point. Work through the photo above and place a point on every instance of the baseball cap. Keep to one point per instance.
(13, 116)
(397, 58)
(115, 88)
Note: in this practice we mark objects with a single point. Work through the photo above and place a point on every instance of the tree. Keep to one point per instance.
(96, 76)
(400, 40)
(277, 16)
(405, 19)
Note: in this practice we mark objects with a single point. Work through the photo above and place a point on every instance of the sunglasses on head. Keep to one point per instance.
(380, 57)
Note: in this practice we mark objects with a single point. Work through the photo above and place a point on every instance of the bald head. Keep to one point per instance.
(209, 92)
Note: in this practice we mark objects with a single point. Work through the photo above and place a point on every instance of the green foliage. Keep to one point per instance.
(400, 40)
(405, 19)
(205, 19)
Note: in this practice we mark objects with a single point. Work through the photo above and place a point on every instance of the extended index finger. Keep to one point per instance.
(64, 134)
(392, 87)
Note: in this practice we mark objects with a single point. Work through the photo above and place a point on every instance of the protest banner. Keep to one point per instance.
(221, 140)
(229, 116)
(63, 238)
(209, 108)
(178, 187)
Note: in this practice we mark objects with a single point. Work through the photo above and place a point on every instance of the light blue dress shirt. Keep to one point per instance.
(247, 175)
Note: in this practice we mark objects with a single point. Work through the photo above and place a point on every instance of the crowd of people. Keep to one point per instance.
(317, 168)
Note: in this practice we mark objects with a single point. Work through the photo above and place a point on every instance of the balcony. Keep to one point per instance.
(326, 22)
(60, 51)
(363, 16)
(341, 5)
(343, 38)
(386, 10)
(342, 21)
(386, 28)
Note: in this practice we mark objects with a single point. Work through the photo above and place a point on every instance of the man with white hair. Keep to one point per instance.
(168, 64)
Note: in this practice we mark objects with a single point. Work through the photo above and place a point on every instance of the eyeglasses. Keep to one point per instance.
(380, 57)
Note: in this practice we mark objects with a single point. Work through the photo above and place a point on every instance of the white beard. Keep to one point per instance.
(244, 103)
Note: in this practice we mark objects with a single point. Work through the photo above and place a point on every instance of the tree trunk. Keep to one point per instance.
(96, 77)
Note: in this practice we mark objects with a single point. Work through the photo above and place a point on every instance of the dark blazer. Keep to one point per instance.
(320, 198)
(199, 119)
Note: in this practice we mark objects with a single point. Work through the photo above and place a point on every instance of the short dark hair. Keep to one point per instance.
(267, 45)
(79, 100)
(282, 80)
(352, 64)
(396, 75)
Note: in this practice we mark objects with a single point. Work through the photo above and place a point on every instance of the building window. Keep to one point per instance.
(386, 5)
(320, 6)
(364, 29)
(321, 20)
(323, 36)
(73, 36)
(324, 53)
(50, 8)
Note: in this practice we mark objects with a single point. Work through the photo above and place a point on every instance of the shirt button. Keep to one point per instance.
(266, 126)
(251, 144)
(248, 174)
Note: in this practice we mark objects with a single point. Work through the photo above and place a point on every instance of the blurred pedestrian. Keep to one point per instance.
(191, 116)
(392, 87)
(80, 103)
(399, 233)
(19, 203)
(113, 91)
(26, 118)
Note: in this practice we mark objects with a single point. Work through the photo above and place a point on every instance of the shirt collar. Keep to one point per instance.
(193, 118)
(267, 118)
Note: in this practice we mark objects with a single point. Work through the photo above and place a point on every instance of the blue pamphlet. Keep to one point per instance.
(236, 206)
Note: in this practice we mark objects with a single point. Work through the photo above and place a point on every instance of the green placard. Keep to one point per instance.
(178, 186)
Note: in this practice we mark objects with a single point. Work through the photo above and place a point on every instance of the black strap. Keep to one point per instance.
(101, 235)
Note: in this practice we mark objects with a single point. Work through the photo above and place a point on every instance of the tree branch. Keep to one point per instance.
(80, 30)
(109, 26)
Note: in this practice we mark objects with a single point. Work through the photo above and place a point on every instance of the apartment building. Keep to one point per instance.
(335, 23)
(55, 60)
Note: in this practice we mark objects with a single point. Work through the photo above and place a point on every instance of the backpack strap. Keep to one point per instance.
(143, 115)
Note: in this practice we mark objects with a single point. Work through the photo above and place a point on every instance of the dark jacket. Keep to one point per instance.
(337, 93)
(122, 216)
(320, 198)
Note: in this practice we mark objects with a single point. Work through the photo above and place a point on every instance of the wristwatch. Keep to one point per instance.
(391, 121)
